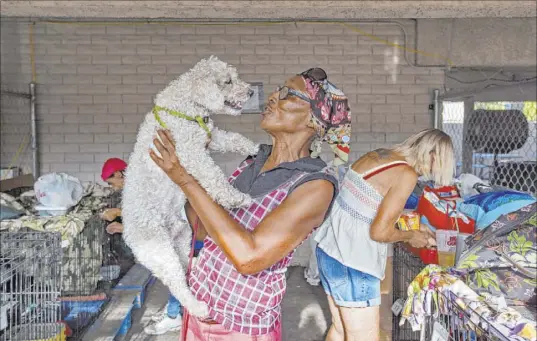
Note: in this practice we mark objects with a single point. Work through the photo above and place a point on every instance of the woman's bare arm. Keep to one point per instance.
(383, 228)
(279, 233)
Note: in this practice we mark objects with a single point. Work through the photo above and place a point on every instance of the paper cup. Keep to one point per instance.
(446, 243)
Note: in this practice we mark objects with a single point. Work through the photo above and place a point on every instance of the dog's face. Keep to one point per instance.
(216, 86)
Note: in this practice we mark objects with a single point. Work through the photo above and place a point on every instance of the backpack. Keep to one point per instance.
(439, 209)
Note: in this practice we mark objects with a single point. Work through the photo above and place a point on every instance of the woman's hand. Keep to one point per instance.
(431, 234)
(168, 160)
(111, 214)
(422, 238)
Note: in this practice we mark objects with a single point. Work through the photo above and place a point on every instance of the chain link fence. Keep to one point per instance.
(496, 141)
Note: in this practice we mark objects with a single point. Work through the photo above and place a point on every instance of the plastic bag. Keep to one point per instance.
(466, 185)
(58, 190)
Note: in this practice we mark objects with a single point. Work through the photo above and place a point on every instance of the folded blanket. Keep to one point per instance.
(486, 208)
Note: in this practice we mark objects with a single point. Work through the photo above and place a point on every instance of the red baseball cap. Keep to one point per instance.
(111, 166)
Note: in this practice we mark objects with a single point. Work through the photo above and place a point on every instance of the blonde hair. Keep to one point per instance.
(430, 153)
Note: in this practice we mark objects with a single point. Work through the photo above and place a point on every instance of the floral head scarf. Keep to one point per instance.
(330, 114)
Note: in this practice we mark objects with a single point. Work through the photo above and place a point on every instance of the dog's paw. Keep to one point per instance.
(200, 310)
(233, 198)
(243, 200)
(246, 201)
(240, 200)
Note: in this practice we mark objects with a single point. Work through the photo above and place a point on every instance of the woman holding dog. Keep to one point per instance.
(240, 273)
(352, 242)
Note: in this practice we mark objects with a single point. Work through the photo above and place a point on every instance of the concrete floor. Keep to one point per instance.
(306, 315)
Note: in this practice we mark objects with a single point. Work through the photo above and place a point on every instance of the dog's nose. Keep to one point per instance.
(250, 93)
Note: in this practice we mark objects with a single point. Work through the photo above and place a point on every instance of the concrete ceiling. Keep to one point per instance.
(293, 10)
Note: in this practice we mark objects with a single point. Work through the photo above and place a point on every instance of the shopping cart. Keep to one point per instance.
(459, 324)
(406, 267)
(456, 325)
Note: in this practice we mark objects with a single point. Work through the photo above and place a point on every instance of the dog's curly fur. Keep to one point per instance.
(152, 203)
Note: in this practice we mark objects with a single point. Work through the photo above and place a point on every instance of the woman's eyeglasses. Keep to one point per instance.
(285, 92)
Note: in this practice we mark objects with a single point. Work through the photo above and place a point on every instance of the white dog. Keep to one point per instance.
(152, 203)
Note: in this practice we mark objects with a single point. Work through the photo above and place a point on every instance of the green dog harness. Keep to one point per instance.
(202, 121)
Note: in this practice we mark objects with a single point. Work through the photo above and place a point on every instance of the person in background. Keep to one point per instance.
(113, 173)
(353, 241)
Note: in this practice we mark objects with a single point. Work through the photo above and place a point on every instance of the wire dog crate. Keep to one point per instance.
(86, 271)
(116, 253)
(83, 296)
(457, 325)
(96, 263)
(30, 283)
(82, 260)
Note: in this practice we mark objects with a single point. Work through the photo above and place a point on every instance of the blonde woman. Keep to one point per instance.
(353, 241)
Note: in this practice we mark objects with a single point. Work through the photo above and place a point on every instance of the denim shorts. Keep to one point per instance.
(348, 287)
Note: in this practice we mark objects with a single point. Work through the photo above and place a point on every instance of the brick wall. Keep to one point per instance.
(96, 82)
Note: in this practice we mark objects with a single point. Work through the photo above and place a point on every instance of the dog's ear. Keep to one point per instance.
(212, 93)
(204, 87)
(213, 58)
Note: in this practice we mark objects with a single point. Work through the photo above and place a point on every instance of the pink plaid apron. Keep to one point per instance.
(243, 304)
(201, 331)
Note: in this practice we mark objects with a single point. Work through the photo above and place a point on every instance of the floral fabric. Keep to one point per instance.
(331, 117)
(438, 291)
(502, 259)
(82, 233)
